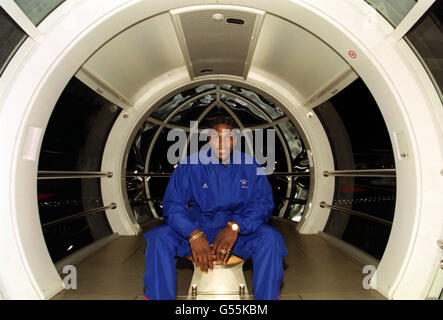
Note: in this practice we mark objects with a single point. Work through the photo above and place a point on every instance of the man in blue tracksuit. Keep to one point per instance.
(212, 210)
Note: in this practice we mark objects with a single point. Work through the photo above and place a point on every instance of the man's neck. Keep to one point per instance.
(224, 161)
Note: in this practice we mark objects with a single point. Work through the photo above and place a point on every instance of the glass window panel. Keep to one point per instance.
(393, 10)
(300, 163)
(426, 39)
(297, 203)
(74, 141)
(279, 184)
(77, 130)
(279, 187)
(142, 212)
(159, 163)
(281, 164)
(192, 110)
(372, 196)
(135, 186)
(64, 239)
(59, 199)
(359, 140)
(37, 10)
(169, 106)
(205, 88)
(356, 130)
(139, 149)
(292, 137)
(247, 114)
(11, 38)
(157, 188)
(267, 106)
(159, 156)
(166, 108)
(59, 194)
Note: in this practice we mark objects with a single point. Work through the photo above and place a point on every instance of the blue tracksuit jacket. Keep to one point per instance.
(210, 195)
(207, 196)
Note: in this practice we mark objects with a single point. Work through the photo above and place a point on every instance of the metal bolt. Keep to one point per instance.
(217, 17)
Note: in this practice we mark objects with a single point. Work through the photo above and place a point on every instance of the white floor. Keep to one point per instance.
(314, 269)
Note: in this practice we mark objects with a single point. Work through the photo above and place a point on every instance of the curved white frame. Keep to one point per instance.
(322, 188)
(38, 73)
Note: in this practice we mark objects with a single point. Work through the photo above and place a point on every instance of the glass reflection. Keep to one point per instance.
(359, 140)
(37, 10)
(373, 196)
(393, 10)
(170, 105)
(426, 39)
(192, 111)
(11, 38)
(248, 115)
(136, 162)
(267, 106)
(74, 140)
(292, 138)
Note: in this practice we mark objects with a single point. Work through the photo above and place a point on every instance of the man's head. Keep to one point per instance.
(222, 140)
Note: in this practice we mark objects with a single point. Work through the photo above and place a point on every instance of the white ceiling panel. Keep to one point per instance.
(124, 65)
(304, 62)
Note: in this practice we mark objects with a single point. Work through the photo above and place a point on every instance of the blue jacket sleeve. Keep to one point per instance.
(177, 195)
(259, 207)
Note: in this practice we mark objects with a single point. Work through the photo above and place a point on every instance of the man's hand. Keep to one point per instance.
(223, 243)
(201, 252)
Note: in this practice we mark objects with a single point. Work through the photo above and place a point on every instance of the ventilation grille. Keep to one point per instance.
(217, 41)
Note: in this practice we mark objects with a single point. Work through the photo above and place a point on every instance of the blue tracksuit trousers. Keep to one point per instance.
(265, 246)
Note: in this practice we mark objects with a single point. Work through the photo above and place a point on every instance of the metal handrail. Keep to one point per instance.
(79, 215)
(150, 174)
(164, 174)
(362, 173)
(292, 174)
(47, 175)
(355, 213)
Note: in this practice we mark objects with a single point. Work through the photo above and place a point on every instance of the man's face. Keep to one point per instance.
(223, 142)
